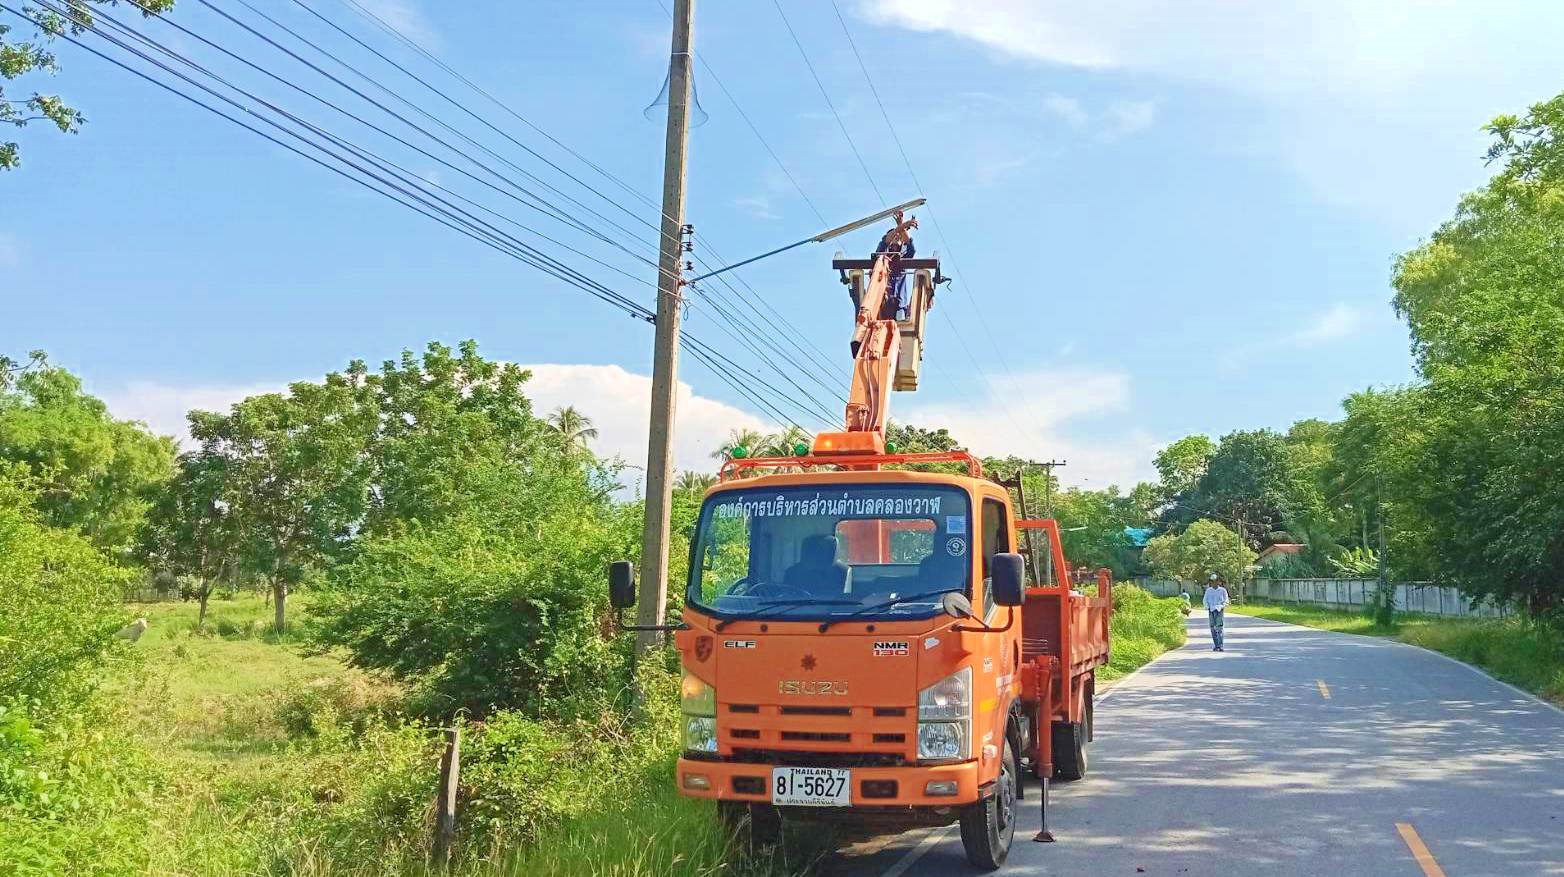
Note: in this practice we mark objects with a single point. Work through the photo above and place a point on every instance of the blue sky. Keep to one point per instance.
(1163, 218)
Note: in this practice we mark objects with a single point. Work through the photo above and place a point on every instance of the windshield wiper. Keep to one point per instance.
(773, 604)
(886, 604)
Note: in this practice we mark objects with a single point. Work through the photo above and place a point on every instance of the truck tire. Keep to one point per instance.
(988, 827)
(1069, 750)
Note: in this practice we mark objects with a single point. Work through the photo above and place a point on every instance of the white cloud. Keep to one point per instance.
(407, 19)
(10, 251)
(1066, 108)
(1046, 423)
(1341, 321)
(619, 403)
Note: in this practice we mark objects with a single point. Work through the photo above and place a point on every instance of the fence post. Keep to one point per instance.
(445, 803)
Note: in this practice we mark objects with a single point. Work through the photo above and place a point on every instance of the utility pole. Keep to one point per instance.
(1048, 512)
(665, 361)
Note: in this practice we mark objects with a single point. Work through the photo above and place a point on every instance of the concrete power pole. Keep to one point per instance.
(665, 362)
(1048, 512)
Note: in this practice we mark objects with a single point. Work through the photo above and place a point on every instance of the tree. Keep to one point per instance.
(1246, 485)
(1091, 524)
(20, 57)
(1205, 547)
(296, 475)
(576, 428)
(1484, 300)
(910, 439)
(95, 474)
(1180, 465)
(442, 420)
(192, 531)
(690, 481)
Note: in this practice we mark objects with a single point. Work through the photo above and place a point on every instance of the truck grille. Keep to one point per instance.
(852, 732)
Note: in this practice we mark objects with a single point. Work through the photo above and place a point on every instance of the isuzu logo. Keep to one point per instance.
(809, 687)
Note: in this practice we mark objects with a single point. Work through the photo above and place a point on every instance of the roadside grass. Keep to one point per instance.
(1521, 652)
(1142, 627)
(254, 757)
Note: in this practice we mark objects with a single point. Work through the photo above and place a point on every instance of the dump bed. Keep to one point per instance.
(1064, 630)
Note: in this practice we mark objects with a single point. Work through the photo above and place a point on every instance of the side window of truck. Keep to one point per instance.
(996, 539)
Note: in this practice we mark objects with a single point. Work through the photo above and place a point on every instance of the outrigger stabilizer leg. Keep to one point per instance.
(1044, 836)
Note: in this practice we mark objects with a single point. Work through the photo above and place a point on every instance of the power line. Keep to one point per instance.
(938, 231)
(823, 93)
(481, 232)
(722, 312)
(728, 316)
(812, 371)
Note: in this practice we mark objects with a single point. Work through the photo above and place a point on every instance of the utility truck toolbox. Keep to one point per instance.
(865, 642)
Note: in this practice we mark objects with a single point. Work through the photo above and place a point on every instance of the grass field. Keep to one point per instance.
(1520, 652)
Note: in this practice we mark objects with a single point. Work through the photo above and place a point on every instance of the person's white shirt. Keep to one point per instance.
(1216, 598)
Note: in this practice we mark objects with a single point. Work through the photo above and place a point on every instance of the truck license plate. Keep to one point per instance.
(811, 786)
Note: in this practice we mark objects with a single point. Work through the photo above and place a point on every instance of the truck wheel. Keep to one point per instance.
(988, 826)
(1069, 750)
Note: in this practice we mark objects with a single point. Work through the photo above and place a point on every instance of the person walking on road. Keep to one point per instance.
(1216, 601)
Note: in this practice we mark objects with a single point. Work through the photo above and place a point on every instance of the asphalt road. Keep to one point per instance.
(1294, 752)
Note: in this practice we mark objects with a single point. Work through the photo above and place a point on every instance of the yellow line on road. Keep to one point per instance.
(1425, 859)
(1324, 690)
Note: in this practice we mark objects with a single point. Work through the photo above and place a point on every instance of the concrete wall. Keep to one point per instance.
(1422, 597)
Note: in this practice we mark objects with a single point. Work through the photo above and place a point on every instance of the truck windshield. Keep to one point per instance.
(812, 553)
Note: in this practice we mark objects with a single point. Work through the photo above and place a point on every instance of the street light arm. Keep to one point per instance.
(817, 239)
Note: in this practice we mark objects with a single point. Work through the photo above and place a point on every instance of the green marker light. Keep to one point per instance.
(739, 452)
(801, 449)
(890, 447)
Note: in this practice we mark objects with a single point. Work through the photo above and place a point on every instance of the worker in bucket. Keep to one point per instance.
(1216, 601)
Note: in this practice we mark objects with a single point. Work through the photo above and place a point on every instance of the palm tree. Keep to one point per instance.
(694, 482)
(576, 428)
(786, 442)
(749, 439)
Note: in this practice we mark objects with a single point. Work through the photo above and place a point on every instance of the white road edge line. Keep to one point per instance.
(1395, 642)
(929, 840)
(912, 856)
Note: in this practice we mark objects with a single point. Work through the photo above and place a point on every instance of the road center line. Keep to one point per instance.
(1324, 689)
(1420, 853)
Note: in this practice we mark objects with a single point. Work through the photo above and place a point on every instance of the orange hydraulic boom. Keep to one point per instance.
(887, 351)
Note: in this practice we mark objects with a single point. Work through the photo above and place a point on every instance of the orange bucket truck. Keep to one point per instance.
(865, 642)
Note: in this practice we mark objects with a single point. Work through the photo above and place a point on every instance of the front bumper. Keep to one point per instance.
(749, 782)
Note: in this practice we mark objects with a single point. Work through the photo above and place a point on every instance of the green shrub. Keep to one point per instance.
(1142, 627)
(71, 800)
(61, 599)
(492, 610)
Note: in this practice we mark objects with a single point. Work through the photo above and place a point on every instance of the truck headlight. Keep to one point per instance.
(944, 717)
(949, 698)
(939, 740)
(696, 698)
(700, 733)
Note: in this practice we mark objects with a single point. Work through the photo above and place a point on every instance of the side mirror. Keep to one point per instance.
(956, 605)
(1008, 579)
(621, 584)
